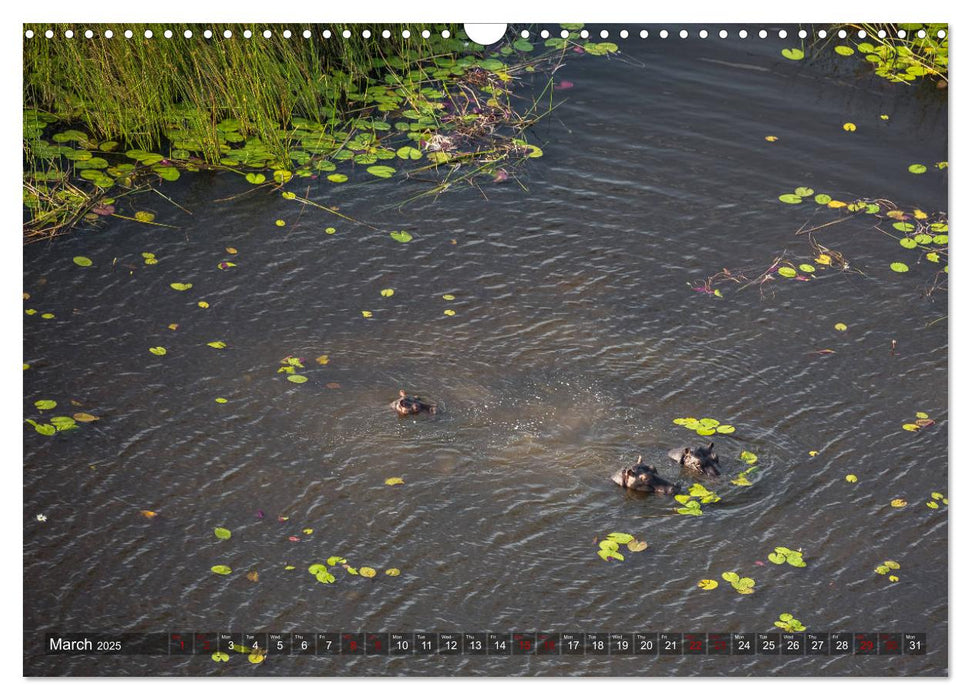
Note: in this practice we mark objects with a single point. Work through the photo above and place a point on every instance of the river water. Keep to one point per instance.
(576, 340)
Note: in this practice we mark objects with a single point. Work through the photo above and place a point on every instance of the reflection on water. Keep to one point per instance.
(576, 341)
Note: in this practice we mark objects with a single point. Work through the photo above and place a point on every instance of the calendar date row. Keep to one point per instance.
(496, 643)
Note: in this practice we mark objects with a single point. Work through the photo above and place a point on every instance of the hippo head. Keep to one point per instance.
(701, 459)
(407, 405)
(643, 477)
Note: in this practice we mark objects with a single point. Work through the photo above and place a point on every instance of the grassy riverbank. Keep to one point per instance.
(112, 115)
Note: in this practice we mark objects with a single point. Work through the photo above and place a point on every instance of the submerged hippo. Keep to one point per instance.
(702, 460)
(642, 477)
(406, 405)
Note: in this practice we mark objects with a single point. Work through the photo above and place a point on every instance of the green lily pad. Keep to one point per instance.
(45, 404)
(609, 545)
(82, 261)
(401, 236)
(221, 569)
(787, 271)
(725, 429)
(899, 267)
(790, 198)
(181, 286)
(381, 170)
(222, 533)
(844, 50)
(408, 153)
(63, 423)
(296, 378)
(794, 54)
(43, 428)
(620, 537)
(908, 243)
(823, 199)
(218, 344)
(804, 191)
(917, 168)
(158, 350)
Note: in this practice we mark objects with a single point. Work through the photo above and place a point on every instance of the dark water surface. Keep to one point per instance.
(576, 341)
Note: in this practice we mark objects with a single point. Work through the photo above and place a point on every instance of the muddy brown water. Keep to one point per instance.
(576, 341)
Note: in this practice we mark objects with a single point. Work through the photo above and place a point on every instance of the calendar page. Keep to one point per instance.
(430, 349)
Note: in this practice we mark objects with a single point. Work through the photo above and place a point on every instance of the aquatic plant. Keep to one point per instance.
(742, 479)
(886, 567)
(784, 555)
(922, 421)
(705, 426)
(609, 546)
(271, 110)
(788, 623)
(898, 52)
(289, 366)
(924, 233)
(690, 506)
(937, 500)
(742, 585)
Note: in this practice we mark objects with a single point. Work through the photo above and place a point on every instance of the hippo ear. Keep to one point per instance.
(711, 446)
(402, 393)
(640, 459)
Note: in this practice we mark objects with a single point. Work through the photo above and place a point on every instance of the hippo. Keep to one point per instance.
(701, 460)
(642, 477)
(406, 405)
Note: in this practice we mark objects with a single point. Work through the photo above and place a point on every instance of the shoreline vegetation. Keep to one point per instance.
(109, 116)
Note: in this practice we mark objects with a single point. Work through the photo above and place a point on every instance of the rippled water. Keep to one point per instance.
(576, 341)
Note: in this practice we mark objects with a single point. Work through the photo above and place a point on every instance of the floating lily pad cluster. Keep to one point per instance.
(742, 479)
(690, 506)
(937, 500)
(788, 623)
(886, 567)
(289, 366)
(47, 315)
(610, 545)
(903, 60)
(915, 229)
(742, 584)
(705, 426)
(323, 574)
(784, 555)
(921, 421)
(58, 424)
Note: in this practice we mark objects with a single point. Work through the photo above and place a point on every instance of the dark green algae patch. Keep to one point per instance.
(108, 117)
